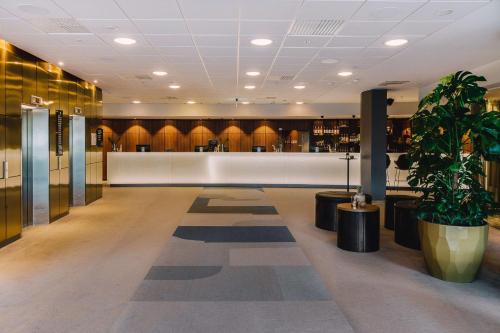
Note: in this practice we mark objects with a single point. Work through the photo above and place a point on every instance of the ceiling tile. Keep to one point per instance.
(217, 51)
(264, 27)
(386, 10)
(16, 26)
(34, 9)
(216, 41)
(219, 27)
(92, 9)
(418, 27)
(366, 28)
(213, 9)
(351, 41)
(298, 51)
(340, 52)
(166, 27)
(258, 52)
(109, 26)
(188, 52)
(79, 40)
(150, 9)
(269, 10)
(169, 40)
(446, 10)
(328, 9)
(309, 41)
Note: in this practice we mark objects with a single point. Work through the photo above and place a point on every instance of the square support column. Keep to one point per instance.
(373, 142)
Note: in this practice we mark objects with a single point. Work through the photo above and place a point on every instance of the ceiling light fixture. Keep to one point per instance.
(261, 42)
(329, 61)
(191, 102)
(249, 87)
(125, 41)
(136, 102)
(60, 63)
(96, 81)
(160, 73)
(253, 73)
(245, 103)
(299, 103)
(299, 87)
(344, 73)
(174, 86)
(396, 42)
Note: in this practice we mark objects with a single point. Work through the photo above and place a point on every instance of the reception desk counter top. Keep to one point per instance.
(285, 169)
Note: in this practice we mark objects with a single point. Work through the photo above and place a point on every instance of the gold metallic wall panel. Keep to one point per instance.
(13, 85)
(13, 204)
(13, 145)
(3, 59)
(29, 80)
(42, 81)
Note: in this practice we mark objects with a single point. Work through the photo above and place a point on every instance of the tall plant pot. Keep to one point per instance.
(453, 253)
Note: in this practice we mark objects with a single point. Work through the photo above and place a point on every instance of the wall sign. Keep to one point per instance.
(99, 133)
(59, 132)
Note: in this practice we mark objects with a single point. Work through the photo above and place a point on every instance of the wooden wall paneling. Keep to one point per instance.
(157, 128)
(271, 134)
(144, 131)
(246, 137)
(171, 133)
(131, 135)
(234, 135)
(183, 138)
(209, 130)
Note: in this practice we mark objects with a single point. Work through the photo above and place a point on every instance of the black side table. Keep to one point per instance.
(390, 200)
(326, 207)
(406, 224)
(358, 229)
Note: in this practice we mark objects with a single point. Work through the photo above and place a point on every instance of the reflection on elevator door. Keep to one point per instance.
(35, 157)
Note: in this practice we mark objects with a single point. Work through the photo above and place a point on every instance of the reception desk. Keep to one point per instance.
(281, 169)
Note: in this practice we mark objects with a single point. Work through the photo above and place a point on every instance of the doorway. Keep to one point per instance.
(35, 165)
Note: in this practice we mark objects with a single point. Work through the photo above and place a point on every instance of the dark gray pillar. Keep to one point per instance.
(373, 142)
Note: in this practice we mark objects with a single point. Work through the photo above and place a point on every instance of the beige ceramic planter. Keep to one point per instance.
(453, 253)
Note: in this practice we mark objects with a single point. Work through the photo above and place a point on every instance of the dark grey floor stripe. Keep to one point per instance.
(224, 234)
(200, 205)
(181, 272)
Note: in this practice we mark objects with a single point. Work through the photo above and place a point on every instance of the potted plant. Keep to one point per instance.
(454, 205)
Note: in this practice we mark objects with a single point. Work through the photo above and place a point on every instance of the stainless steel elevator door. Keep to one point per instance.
(35, 165)
(77, 160)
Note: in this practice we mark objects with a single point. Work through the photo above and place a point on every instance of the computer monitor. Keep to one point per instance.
(142, 148)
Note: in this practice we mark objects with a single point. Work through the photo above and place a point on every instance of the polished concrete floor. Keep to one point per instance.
(80, 274)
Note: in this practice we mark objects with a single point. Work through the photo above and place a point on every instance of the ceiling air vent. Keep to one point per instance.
(315, 27)
(392, 83)
(287, 77)
(59, 26)
(143, 77)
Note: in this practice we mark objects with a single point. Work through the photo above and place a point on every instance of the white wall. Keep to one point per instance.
(261, 111)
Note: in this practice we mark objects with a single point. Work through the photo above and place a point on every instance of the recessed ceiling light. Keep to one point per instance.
(253, 73)
(136, 102)
(299, 87)
(344, 73)
(174, 86)
(329, 61)
(60, 63)
(160, 73)
(245, 102)
(445, 12)
(396, 42)
(96, 81)
(249, 87)
(191, 102)
(299, 103)
(261, 42)
(124, 41)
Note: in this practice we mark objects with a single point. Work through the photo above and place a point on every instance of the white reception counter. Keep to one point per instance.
(299, 169)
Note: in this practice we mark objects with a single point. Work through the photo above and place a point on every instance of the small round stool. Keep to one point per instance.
(406, 224)
(390, 200)
(359, 228)
(326, 207)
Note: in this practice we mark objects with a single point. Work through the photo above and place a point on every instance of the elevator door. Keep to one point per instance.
(35, 157)
(77, 160)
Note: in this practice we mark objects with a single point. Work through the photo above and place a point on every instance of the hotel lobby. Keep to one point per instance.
(250, 166)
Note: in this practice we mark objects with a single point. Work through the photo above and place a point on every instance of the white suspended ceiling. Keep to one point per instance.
(204, 45)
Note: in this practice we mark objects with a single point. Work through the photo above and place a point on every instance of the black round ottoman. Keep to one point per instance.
(326, 207)
(390, 200)
(358, 229)
(406, 224)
